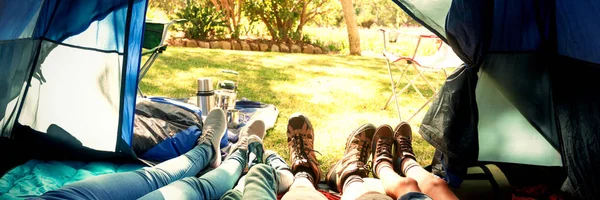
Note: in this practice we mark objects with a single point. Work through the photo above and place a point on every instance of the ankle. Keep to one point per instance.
(407, 164)
(350, 180)
(304, 174)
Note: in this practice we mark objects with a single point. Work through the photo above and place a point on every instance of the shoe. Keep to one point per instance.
(256, 127)
(255, 150)
(275, 160)
(403, 143)
(300, 136)
(382, 148)
(358, 150)
(212, 132)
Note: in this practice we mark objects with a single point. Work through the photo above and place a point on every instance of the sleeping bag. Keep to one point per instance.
(164, 129)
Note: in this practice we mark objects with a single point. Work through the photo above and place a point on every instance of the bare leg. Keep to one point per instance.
(303, 188)
(354, 190)
(431, 185)
(395, 185)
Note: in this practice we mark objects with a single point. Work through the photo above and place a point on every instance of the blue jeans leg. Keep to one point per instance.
(211, 185)
(134, 184)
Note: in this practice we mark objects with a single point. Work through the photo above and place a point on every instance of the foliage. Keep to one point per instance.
(157, 14)
(285, 19)
(232, 10)
(202, 22)
(170, 7)
(381, 12)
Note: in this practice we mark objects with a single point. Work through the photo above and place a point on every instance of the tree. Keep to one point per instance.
(351, 25)
(232, 9)
(285, 19)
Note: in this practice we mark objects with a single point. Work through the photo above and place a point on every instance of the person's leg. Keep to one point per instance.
(405, 160)
(215, 183)
(394, 185)
(261, 183)
(347, 175)
(305, 167)
(211, 185)
(134, 184)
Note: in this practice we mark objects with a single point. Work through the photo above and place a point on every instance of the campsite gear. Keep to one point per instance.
(205, 95)
(300, 139)
(164, 129)
(234, 116)
(27, 180)
(155, 33)
(354, 161)
(484, 182)
(212, 132)
(403, 145)
(227, 93)
(381, 146)
(225, 99)
(443, 58)
(69, 78)
(524, 47)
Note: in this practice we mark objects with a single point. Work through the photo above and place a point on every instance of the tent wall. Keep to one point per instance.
(555, 89)
(72, 69)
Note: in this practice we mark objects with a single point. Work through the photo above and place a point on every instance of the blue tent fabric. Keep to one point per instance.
(544, 56)
(37, 37)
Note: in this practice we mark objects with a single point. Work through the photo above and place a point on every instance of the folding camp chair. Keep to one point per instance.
(438, 62)
(155, 34)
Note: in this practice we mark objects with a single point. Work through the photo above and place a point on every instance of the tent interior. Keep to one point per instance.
(525, 100)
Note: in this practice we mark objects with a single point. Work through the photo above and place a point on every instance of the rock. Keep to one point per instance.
(191, 43)
(325, 50)
(178, 43)
(308, 49)
(202, 44)
(245, 46)
(226, 45)
(296, 49)
(263, 47)
(215, 45)
(254, 47)
(275, 48)
(284, 48)
(236, 45)
(318, 50)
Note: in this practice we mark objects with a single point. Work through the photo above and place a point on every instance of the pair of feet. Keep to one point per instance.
(250, 139)
(366, 141)
(383, 144)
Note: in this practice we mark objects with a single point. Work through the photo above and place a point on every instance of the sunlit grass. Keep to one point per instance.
(338, 93)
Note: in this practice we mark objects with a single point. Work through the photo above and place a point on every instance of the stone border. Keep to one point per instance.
(243, 45)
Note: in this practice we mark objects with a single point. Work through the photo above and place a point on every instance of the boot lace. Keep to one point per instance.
(405, 145)
(301, 150)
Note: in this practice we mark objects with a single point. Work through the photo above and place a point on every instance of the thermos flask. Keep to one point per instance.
(205, 95)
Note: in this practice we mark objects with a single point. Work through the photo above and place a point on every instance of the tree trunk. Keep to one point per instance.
(351, 25)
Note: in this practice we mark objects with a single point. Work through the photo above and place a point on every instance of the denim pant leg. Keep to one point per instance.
(134, 184)
(211, 185)
(261, 183)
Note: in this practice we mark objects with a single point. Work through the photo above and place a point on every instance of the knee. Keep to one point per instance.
(436, 182)
(407, 183)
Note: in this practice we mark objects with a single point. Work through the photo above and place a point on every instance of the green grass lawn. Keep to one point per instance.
(338, 93)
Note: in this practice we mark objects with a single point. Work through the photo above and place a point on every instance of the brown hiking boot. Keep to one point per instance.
(403, 143)
(300, 143)
(382, 148)
(358, 150)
